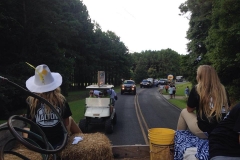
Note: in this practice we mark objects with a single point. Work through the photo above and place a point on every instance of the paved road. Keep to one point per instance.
(157, 112)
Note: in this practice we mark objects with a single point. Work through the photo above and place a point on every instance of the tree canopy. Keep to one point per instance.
(155, 64)
(214, 35)
(60, 34)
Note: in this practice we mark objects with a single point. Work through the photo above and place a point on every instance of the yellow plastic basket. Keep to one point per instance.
(161, 152)
(162, 136)
(161, 143)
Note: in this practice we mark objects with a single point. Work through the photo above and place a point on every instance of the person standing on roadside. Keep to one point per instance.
(170, 91)
(186, 91)
(166, 88)
(161, 88)
(174, 91)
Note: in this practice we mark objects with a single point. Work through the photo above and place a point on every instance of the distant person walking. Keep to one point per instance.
(174, 90)
(170, 91)
(161, 88)
(186, 91)
(166, 88)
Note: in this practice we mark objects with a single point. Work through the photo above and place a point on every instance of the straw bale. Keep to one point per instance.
(94, 146)
(23, 151)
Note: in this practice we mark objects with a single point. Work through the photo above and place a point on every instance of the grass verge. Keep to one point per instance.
(77, 108)
(182, 101)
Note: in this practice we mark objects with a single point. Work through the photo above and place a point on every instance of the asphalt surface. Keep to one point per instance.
(156, 110)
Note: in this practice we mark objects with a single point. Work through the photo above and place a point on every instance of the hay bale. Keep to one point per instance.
(93, 146)
(23, 151)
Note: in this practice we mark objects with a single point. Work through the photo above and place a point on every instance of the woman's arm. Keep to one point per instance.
(66, 121)
(72, 126)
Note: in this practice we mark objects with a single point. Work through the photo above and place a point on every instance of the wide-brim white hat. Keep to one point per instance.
(44, 80)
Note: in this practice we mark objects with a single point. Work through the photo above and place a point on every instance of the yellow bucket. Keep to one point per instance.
(161, 143)
(162, 136)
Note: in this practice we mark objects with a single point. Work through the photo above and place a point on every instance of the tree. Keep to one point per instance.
(199, 24)
(60, 34)
(155, 64)
(223, 43)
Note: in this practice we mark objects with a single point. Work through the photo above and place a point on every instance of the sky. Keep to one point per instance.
(142, 24)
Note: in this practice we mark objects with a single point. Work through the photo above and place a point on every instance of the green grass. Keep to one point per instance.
(77, 108)
(76, 95)
(181, 87)
(181, 103)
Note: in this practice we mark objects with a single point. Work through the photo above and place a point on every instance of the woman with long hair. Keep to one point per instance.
(46, 84)
(210, 100)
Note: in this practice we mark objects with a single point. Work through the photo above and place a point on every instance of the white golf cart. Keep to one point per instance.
(99, 110)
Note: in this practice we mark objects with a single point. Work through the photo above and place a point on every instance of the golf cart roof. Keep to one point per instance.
(105, 86)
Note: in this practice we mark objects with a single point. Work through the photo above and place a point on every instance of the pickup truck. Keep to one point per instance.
(151, 80)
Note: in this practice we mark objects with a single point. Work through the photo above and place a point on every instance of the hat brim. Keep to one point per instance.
(31, 86)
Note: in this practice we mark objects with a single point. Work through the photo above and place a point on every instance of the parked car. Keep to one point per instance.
(128, 86)
(145, 84)
(162, 82)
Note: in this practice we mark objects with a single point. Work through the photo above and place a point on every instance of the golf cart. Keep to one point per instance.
(99, 110)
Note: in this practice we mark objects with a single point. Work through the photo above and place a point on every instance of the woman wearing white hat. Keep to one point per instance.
(46, 84)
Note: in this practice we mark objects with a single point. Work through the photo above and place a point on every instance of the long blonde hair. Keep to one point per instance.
(54, 97)
(210, 89)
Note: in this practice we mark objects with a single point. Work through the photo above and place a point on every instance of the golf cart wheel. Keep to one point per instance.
(115, 118)
(121, 92)
(134, 93)
(83, 125)
(108, 126)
